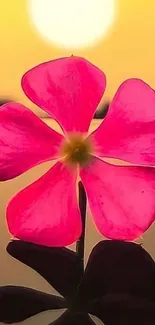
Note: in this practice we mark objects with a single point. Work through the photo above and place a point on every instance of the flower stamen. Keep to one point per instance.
(77, 150)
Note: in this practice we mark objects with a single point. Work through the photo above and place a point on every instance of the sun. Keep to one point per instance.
(72, 23)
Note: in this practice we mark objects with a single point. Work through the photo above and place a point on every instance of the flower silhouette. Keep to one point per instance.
(121, 198)
(118, 285)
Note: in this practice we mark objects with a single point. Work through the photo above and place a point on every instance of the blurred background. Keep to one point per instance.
(116, 35)
(126, 50)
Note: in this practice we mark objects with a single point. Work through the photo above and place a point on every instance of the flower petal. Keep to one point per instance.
(25, 141)
(128, 131)
(58, 266)
(20, 303)
(73, 318)
(47, 212)
(69, 89)
(121, 198)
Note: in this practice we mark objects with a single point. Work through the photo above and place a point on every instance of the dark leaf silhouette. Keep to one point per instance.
(118, 267)
(124, 309)
(59, 266)
(19, 303)
(73, 318)
(118, 285)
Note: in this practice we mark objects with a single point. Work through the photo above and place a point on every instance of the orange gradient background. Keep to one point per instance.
(127, 51)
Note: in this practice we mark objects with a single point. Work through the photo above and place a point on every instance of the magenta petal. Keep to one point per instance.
(121, 198)
(47, 212)
(25, 140)
(128, 131)
(69, 89)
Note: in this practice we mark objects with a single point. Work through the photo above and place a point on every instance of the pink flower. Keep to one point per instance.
(121, 198)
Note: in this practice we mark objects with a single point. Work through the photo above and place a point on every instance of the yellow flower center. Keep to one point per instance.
(77, 150)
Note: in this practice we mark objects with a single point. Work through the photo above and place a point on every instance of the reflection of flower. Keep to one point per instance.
(118, 285)
(121, 198)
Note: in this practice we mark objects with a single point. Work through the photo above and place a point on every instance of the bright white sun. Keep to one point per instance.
(73, 23)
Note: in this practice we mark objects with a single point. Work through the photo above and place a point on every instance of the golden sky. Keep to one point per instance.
(127, 51)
